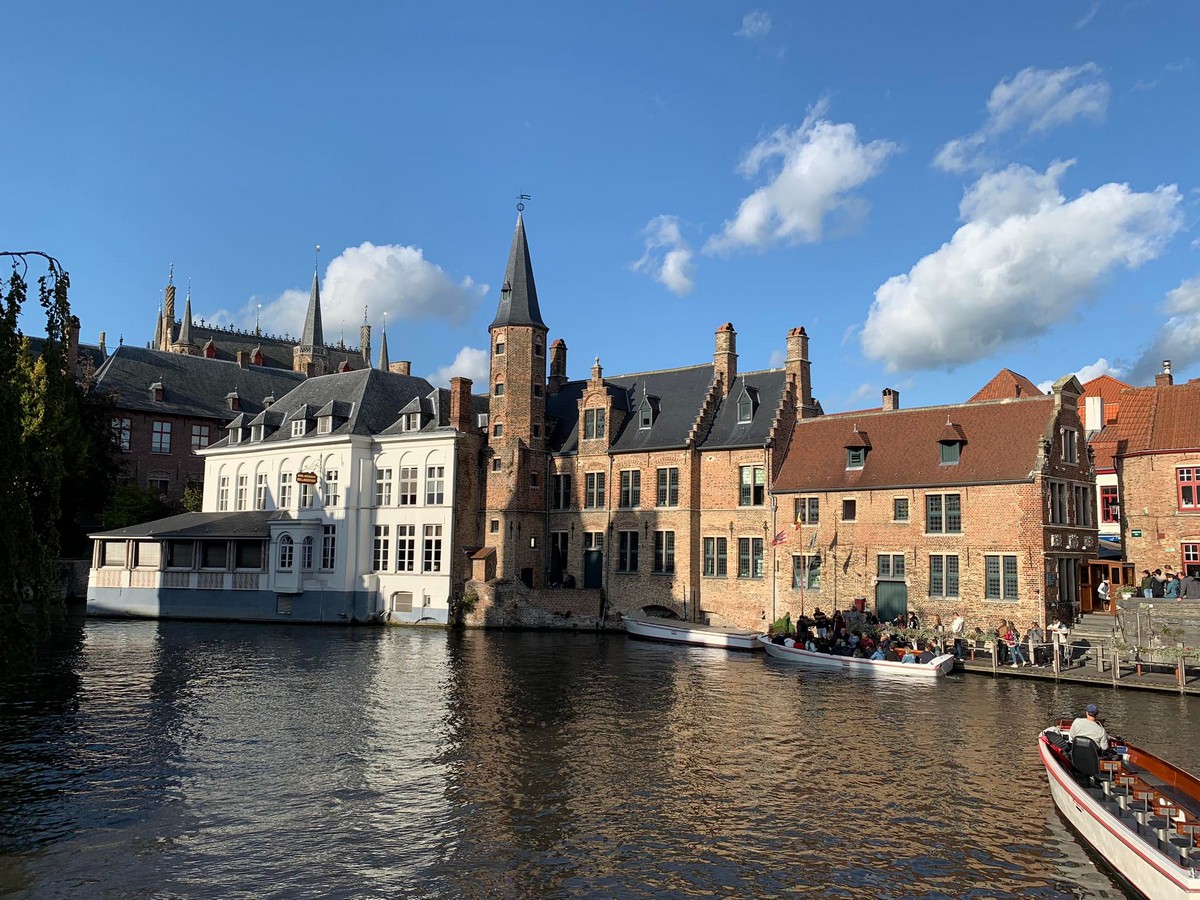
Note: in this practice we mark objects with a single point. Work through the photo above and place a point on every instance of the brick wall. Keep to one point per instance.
(509, 604)
(1150, 504)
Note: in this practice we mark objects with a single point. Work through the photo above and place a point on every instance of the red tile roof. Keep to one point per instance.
(1109, 390)
(1160, 418)
(1003, 438)
(1006, 385)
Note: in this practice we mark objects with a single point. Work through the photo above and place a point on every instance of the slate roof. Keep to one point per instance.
(1159, 418)
(251, 524)
(1006, 385)
(372, 400)
(1002, 441)
(518, 293)
(192, 385)
(92, 353)
(677, 396)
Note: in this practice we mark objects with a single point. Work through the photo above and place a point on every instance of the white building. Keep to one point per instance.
(352, 498)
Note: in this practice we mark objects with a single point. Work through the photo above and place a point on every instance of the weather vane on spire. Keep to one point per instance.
(521, 198)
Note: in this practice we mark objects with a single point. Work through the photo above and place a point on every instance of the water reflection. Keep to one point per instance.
(197, 759)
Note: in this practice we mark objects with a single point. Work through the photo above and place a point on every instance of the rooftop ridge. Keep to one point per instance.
(964, 405)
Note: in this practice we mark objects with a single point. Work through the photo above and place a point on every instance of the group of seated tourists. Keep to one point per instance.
(824, 634)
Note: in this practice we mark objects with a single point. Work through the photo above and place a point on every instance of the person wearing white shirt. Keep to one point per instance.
(1088, 726)
(957, 628)
(1102, 591)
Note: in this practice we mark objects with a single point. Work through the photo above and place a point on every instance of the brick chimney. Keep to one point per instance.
(1093, 413)
(798, 369)
(558, 366)
(1164, 378)
(242, 359)
(725, 357)
(72, 347)
(403, 367)
(103, 347)
(460, 403)
(891, 399)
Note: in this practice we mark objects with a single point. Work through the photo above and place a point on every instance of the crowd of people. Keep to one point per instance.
(863, 636)
(1167, 585)
(859, 635)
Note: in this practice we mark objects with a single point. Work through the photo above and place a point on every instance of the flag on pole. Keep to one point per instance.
(780, 538)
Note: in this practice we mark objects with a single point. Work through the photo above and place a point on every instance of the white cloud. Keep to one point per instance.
(1089, 15)
(755, 24)
(1033, 101)
(668, 257)
(383, 278)
(812, 171)
(863, 390)
(1178, 338)
(470, 362)
(778, 358)
(1085, 374)
(1024, 260)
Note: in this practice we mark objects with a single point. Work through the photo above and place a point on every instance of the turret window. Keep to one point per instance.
(538, 349)
(498, 430)
(499, 348)
(498, 390)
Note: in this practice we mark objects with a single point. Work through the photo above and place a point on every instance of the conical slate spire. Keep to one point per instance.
(384, 362)
(518, 294)
(185, 326)
(313, 336)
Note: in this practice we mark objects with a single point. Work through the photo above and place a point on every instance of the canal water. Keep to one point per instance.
(215, 760)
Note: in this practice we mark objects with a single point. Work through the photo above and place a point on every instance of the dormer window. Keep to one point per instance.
(235, 435)
(856, 449)
(324, 424)
(268, 400)
(745, 409)
(950, 443)
(234, 401)
(298, 428)
(645, 415)
(257, 433)
(157, 390)
(593, 423)
(411, 422)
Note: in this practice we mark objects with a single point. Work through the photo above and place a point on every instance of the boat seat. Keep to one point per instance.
(1085, 757)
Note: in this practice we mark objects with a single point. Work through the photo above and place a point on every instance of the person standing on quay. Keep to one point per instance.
(1102, 591)
(957, 628)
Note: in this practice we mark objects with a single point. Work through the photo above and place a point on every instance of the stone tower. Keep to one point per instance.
(517, 459)
(183, 342)
(311, 356)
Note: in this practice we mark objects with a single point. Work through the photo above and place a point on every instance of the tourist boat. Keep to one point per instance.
(676, 631)
(936, 667)
(1140, 813)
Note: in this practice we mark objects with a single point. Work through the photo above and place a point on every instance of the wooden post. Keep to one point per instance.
(1057, 657)
(1100, 659)
(995, 646)
(1116, 668)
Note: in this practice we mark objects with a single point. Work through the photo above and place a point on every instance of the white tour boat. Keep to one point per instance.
(676, 631)
(938, 666)
(1140, 813)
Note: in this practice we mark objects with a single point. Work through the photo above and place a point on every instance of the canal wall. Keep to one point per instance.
(510, 604)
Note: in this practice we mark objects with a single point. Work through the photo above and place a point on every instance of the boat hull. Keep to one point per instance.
(936, 668)
(1132, 857)
(679, 632)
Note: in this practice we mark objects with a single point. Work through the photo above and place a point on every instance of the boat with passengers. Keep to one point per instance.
(677, 631)
(1140, 813)
(938, 665)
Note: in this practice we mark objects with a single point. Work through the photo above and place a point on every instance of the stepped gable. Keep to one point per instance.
(1004, 439)
(1157, 418)
(192, 385)
(374, 399)
(562, 414)
(764, 389)
(1006, 385)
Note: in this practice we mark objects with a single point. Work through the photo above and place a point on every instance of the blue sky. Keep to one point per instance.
(934, 191)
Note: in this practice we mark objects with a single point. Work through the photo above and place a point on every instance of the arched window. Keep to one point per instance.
(285, 553)
(306, 554)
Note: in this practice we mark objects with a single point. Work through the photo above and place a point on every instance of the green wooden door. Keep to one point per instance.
(891, 600)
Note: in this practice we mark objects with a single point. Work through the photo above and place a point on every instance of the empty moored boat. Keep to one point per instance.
(676, 631)
(1140, 813)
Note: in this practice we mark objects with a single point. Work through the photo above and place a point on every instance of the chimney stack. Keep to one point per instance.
(72, 347)
(242, 359)
(799, 369)
(103, 348)
(403, 367)
(725, 358)
(1164, 378)
(460, 403)
(558, 366)
(891, 399)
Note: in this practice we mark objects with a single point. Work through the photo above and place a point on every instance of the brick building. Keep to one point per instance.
(652, 486)
(984, 507)
(170, 405)
(1157, 460)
